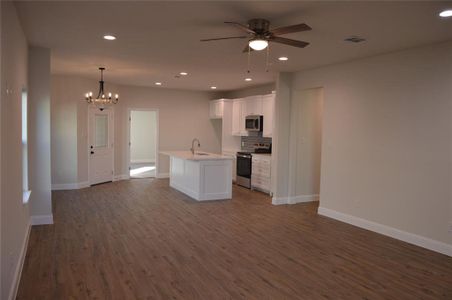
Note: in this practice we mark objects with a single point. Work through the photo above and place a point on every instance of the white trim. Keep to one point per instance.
(142, 161)
(411, 238)
(41, 220)
(20, 264)
(162, 175)
(294, 199)
(121, 177)
(70, 186)
(157, 129)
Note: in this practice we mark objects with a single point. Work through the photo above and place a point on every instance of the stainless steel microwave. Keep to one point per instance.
(254, 123)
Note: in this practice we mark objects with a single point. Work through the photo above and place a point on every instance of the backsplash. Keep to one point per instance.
(248, 142)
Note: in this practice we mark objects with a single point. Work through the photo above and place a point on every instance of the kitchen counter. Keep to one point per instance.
(199, 155)
(202, 176)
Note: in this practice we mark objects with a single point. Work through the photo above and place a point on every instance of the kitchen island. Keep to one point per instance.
(202, 176)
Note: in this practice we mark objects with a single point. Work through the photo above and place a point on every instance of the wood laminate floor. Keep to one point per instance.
(140, 239)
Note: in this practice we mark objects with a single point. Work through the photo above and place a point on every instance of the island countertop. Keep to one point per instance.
(199, 155)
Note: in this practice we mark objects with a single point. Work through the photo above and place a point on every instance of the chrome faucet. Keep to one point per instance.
(192, 149)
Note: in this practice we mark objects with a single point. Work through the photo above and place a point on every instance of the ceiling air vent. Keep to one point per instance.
(355, 39)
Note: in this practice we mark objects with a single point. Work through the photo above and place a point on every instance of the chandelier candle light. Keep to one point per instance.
(101, 100)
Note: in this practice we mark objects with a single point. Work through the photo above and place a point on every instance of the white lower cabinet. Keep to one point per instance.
(232, 154)
(261, 172)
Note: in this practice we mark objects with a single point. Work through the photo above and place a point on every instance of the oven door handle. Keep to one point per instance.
(243, 156)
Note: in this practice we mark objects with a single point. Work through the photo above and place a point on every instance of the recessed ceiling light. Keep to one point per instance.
(213, 87)
(283, 58)
(109, 37)
(158, 83)
(183, 73)
(248, 79)
(446, 13)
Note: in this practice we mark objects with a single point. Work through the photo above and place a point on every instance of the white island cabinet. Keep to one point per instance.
(202, 176)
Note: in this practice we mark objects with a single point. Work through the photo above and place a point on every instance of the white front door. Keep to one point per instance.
(100, 143)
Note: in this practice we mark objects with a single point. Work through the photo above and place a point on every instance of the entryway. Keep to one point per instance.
(101, 145)
(143, 143)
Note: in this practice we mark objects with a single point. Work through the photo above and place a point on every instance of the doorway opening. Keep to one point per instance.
(143, 143)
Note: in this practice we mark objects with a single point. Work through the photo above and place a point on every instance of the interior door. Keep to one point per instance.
(100, 143)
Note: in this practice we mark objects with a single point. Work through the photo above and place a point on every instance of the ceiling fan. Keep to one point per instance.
(259, 34)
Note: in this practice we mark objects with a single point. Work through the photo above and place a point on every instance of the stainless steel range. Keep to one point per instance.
(244, 160)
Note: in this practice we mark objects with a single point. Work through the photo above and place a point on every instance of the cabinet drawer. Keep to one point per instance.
(260, 171)
(266, 160)
(262, 180)
(260, 185)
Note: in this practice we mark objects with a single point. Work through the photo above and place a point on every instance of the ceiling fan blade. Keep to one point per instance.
(290, 29)
(289, 42)
(225, 38)
(241, 26)
(247, 48)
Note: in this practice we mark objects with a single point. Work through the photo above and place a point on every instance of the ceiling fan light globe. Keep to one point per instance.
(258, 44)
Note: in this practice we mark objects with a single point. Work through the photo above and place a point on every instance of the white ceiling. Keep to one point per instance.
(157, 40)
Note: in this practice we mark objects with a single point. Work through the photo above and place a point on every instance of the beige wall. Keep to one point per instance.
(182, 116)
(1, 155)
(1, 138)
(305, 143)
(386, 154)
(250, 91)
(39, 132)
(64, 130)
(143, 136)
(281, 138)
(15, 215)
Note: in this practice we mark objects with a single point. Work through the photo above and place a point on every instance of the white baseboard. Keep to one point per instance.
(411, 238)
(121, 177)
(70, 186)
(142, 161)
(18, 272)
(294, 199)
(41, 220)
(162, 175)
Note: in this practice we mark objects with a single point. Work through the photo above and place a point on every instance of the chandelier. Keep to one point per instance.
(102, 100)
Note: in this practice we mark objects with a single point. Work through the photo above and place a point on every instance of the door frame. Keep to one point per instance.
(111, 129)
(128, 142)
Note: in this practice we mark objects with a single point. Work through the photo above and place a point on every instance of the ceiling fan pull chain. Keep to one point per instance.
(266, 59)
(249, 55)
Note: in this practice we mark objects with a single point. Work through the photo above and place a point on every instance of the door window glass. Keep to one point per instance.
(101, 131)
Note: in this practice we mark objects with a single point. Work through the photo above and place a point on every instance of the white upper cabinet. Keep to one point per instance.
(253, 105)
(238, 117)
(216, 109)
(268, 111)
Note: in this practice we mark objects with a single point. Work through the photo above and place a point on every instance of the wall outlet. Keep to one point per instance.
(243, 144)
